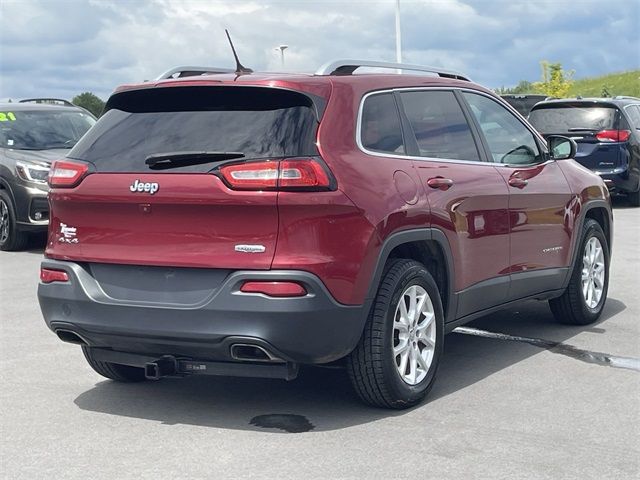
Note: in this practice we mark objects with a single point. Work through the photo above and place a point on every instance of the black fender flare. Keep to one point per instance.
(589, 205)
(408, 236)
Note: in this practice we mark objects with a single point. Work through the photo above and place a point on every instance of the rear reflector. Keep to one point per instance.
(275, 289)
(287, 174)
(613, 135)
(66, 174)
(48, 275)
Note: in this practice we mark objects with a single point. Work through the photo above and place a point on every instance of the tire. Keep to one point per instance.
(572, 306)
(373, 368)
(114, 371)
(634, 198)
(11, 238)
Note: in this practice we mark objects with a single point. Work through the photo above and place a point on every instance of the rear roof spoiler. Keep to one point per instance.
(191, 71)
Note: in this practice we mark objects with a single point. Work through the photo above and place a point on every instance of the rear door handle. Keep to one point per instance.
(440, 183)
(518, 182)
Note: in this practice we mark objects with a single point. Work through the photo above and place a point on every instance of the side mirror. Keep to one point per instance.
(561, 148)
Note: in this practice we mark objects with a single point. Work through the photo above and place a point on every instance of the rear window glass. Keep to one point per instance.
(572, 118)
(42, 129)
(257, 121)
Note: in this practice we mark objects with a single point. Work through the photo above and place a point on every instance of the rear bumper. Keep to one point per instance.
(310, 329)
(620, 181)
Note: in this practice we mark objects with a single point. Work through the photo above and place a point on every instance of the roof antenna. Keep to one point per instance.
(239, 68)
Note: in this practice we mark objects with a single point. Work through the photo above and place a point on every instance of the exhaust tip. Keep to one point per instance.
(252, 353)
(70, 337)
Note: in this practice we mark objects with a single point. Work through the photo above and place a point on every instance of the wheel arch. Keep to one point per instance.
(600, 211)
(428, 246)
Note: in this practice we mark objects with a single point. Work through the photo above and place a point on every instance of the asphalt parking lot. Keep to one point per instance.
(501, 408)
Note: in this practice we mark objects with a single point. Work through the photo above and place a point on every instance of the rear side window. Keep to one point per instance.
(439, 125)
(569, 118)
(259, 122)
(380, 129)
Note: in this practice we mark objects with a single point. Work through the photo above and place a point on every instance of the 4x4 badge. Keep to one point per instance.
(149, 187)
(67, 234)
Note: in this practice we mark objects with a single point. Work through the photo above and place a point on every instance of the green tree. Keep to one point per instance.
(556, 82)
(91, 102)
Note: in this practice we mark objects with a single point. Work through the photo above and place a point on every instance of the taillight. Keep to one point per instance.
(66, 174)
(48, 275)
(251, 176)
(274, 289)
(613, 135)
(287, 174)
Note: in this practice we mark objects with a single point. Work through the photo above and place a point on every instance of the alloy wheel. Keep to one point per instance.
(593, 272)
(4, 222)
(414, 335)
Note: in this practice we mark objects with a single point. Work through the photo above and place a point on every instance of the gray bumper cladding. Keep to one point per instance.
(197, 313)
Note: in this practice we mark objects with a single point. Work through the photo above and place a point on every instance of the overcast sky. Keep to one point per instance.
(64, 47)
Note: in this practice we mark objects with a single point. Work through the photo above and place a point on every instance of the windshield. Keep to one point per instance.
(255, 122)
(563, 119)
(42, 129)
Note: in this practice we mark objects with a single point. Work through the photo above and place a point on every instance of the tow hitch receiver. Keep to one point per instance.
(162, 367)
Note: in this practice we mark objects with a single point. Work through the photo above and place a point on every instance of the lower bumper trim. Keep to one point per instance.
(158, 367)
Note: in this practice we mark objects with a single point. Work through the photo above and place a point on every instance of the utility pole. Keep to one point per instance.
(398, 34)
(282, 48)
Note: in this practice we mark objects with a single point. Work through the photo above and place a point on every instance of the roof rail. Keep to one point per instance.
(53, 101)
(188, 71)
(625, 97)
(347, 67)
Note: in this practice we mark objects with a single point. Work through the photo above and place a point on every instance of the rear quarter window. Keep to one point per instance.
(633, 112)
(380, 129)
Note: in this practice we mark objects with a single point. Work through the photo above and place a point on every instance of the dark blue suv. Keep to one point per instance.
(607, 131)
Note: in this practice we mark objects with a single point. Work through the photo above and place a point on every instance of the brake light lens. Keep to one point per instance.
(613, 135)
(48, 275)
(251, 176)
(303, 174)
(288, 174)
(274, 289)
(67, 174)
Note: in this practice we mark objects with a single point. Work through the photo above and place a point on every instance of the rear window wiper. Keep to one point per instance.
(162, 161)
(583, 129)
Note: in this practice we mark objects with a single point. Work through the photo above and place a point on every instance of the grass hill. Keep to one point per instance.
(627, 83)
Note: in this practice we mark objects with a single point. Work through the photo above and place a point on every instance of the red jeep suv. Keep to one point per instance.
(247, 224)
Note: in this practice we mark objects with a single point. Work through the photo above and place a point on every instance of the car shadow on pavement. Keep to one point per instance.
(323, 397)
